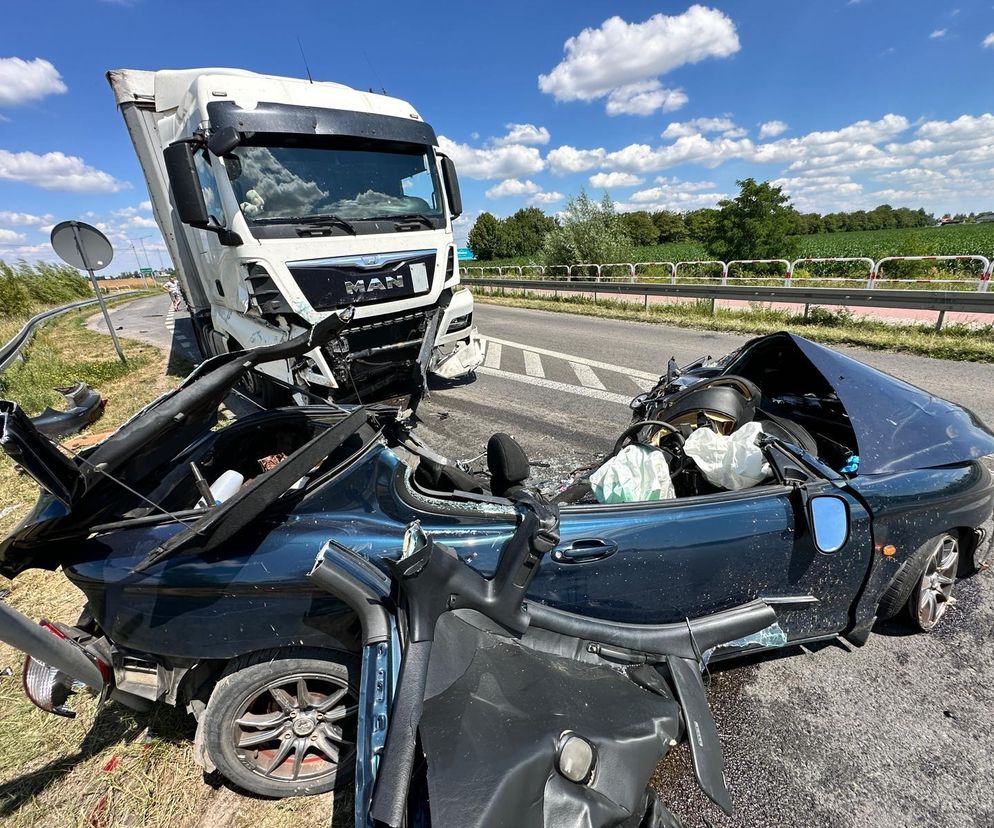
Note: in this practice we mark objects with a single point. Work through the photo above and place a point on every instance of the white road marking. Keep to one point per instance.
(552, 385)
(586, 375)
(592, 363)
(493, 354)
(533, 364)
(645, 384)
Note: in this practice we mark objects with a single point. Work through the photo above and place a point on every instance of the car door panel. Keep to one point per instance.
(684, 558)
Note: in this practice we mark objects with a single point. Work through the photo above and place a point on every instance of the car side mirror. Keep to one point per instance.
(828, 517)
(451, 182)
(181, 169)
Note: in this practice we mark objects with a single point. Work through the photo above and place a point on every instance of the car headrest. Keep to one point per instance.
(507, 462)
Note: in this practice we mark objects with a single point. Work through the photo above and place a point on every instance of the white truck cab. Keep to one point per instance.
(282, 201)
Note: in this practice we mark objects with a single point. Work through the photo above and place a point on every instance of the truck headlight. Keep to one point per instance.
(461, 322)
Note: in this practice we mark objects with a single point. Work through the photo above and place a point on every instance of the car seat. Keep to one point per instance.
(508, 464)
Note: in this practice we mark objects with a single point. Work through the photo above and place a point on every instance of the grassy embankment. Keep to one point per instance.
(109, 766)
(838, 327)
(835, 326)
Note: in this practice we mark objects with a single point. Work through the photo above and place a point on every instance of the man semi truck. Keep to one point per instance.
(282, 201)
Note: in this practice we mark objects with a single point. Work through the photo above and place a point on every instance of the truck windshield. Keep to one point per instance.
(278, 182)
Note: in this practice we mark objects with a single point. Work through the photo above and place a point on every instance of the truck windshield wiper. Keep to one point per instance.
(327, 220)
(406, 217)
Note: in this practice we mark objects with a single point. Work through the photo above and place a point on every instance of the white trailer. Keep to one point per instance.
(282, 201)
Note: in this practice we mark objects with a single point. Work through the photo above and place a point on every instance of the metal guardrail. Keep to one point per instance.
(932, 300)
(12, 350)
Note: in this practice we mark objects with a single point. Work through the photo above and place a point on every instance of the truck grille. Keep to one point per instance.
(328, 284)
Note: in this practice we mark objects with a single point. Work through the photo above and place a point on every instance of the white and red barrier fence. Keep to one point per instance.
(631, 271)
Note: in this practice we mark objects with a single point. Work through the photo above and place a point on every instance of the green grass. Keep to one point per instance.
(973, 239)
(833, 327)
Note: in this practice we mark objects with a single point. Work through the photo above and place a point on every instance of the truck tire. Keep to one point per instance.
(257, 387)
(924, 582)
(283, 722)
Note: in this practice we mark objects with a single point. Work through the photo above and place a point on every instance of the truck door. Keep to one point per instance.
(206, 246)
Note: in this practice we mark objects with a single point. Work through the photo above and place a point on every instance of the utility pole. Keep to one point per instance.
(138, 262)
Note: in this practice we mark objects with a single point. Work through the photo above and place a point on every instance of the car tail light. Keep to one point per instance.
(49, 688)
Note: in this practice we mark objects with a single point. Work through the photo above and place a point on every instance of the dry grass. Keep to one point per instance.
(109, 766)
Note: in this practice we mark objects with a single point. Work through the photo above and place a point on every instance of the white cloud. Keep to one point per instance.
(604, 181)
(13, 219)
(644, 98)
(22, 81)
(10, 237)
(674, 201)
(546, 198)
(688, 186)
(937, 34)
(513, 187)
(618, 54)
(566, 159)
(146, 206)
(57, 171)
(988, 42)
(679, 129)
(511, 161)
(696, 149)
(675, 194)
(142, 221)
(771, 129)
(965, 129)
(525, 134)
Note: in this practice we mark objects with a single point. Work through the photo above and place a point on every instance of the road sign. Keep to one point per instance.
(82, 245)
(465, 254)
(146, 271)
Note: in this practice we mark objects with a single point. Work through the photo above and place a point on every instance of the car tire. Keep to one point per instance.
(283, 723)
(923, 588)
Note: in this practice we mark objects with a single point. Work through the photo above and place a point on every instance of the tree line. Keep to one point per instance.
(529, 232)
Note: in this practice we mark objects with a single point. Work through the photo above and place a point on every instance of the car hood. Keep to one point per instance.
(898, 426)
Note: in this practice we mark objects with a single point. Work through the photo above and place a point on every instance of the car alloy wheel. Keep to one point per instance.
(298, 728)
(934, 592)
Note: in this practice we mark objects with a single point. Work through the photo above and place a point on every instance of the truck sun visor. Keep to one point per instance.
(306, 120)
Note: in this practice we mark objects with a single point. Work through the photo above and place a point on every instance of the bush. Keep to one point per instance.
(588, 232)
(25, 287)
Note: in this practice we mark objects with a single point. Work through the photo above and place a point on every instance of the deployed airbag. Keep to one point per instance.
(634, 474)
(732, 462)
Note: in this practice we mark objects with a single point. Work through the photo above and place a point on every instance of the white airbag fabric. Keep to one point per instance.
(732, 462)
(634, 474)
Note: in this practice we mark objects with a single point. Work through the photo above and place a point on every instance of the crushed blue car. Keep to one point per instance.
(351, 604)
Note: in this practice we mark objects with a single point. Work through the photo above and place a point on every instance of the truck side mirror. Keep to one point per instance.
(181, 168)
(451, 181)
(185, 183)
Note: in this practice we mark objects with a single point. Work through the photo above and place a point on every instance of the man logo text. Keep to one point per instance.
(360, 287)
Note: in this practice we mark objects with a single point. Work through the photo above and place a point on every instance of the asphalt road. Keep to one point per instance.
(896, 733)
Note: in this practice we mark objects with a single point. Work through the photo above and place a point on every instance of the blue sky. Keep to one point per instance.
(664, 105)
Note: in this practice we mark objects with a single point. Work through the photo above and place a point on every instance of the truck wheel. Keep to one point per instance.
(924, 586)
(285, 725)
(255, 385)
